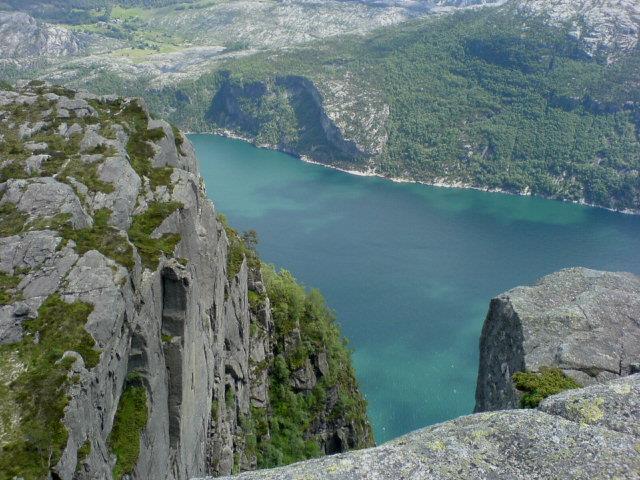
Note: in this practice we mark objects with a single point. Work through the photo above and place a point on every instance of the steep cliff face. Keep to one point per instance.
(130, 338)
(586, 323)
(291, 114)
(590, 432)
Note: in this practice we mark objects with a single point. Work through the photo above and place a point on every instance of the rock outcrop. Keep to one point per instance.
(609, 25)
(590, 432)
(305, 120)
(586, 433)
(135, 335)
(23, 36)
(585, 322)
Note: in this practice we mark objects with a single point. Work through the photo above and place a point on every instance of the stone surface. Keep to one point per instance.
(583, 321)
(614, 405)
(23, 36)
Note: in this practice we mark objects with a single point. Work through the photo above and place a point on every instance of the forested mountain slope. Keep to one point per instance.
(496, 98)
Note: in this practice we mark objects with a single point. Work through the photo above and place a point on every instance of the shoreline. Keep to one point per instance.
(372, 173)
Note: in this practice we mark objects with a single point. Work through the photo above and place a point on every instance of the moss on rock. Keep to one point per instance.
(144, 225)
(131, 418)
(38, 385)
(539, 385)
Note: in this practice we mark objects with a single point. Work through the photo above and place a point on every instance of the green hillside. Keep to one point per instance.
(485, 98)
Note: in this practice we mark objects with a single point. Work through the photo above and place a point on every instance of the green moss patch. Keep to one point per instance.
(143, 226)
(102, 237)
(539, 385)
(178, 139)
(241, 246)
(35, 382)
(139, 147)
(86, 173)
(83, 452)
(8, 283)
(13, 220)
(131, 418)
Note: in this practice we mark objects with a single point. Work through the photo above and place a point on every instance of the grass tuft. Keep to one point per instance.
(131, 418)
(539, 385)
(143, 226)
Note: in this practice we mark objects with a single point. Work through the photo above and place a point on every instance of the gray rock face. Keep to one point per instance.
(23, 36)
(577, 435)
(614, 405)
(229, 111)
(585, 322)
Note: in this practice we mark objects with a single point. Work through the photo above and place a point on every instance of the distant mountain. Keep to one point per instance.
(527, 96)
(613, 25)
(517, 98)
(22, 36)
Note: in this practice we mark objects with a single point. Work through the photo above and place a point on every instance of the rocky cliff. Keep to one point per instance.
(585, 322)
(137, 335)
(590, 432)
(271, 113)
(23, 37)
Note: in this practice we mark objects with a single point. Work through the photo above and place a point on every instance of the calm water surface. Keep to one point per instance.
(409, 269)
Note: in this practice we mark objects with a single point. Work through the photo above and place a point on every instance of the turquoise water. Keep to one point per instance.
(409, 269)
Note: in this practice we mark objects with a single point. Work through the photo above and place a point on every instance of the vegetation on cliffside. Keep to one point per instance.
(306, 332)
(34, 379)
(81, 193)
(131, 418)
(313, 392)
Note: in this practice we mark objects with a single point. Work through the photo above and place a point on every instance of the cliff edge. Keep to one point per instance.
(589, 317)
(584, 322)
(137, 334)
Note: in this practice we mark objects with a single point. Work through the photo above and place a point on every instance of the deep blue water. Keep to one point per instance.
(409, 269)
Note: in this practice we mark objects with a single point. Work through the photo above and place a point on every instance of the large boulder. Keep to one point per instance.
(585, 322)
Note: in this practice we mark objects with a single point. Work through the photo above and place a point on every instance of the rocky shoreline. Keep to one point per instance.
(372, 173)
